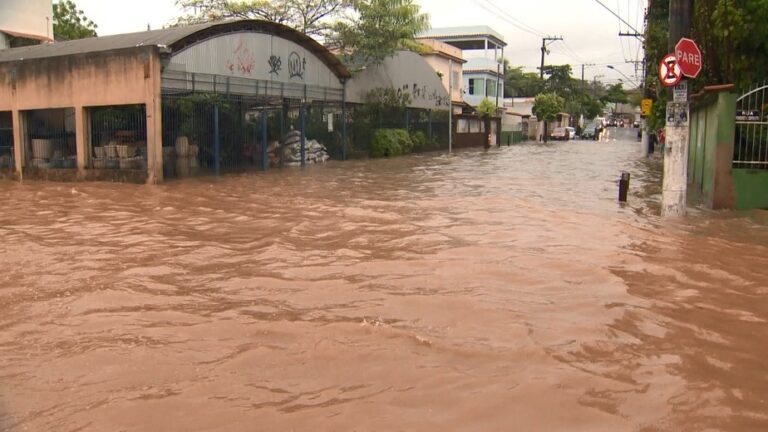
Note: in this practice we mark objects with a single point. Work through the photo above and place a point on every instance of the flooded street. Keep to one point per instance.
(484, 291)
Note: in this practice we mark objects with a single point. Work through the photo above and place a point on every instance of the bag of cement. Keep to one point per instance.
(292, 137)
(314, 146)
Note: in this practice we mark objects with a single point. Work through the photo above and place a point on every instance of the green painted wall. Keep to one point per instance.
(512, 137)
(710, 155)
(751, 189)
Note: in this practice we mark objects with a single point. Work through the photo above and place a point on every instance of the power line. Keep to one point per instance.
(521, 23)
(508, 21)
(617, 16)
(575, 55)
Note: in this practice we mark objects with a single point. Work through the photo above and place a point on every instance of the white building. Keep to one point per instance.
(483, 49)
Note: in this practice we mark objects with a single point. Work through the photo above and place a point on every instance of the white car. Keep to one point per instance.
(571, 132)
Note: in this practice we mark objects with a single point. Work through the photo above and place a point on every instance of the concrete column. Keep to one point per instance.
(674, 183)
(723, 193)
(154, 113)
(19, 141)
(82, 139)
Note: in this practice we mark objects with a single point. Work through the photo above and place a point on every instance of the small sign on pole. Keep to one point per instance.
(646, 105)
(680, 92)
(669, 71)
(677, 114)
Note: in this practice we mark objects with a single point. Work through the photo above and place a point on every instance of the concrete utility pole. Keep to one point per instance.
(675, 181)
(582, 71)
(544, 44)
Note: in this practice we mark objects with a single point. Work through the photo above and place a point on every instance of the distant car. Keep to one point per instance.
(621, 123)
(589, 132)
(560, 134)
(636, 124)
(571, 133)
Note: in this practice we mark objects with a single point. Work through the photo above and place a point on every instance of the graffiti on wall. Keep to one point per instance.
(242, 61)
(296, 65)
(420, 92)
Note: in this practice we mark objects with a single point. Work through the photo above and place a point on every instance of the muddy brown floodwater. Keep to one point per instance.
(485, 291)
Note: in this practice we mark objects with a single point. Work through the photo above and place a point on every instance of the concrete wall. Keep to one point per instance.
(710, 155)
(256, 56)
(97, 79)
(406, 72)
(440, 62)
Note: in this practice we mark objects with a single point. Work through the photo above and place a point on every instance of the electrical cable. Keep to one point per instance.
(487, 9)
(505, 13)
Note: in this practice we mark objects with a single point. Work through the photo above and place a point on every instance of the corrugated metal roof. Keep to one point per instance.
(175, 38)
(102, 43)
(463, 32)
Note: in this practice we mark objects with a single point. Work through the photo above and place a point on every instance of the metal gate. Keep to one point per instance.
(750, 148)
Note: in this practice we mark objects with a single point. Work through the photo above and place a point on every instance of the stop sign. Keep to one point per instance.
(688, 57)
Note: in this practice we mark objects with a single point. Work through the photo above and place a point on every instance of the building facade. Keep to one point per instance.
(448, 63)
(151, 105)
(483, 49)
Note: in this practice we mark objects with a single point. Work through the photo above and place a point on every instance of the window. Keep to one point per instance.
(491, 86)
(475, 126)
(471, 86)
(462, 126)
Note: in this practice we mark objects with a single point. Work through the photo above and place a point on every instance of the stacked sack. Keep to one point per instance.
(291, 150)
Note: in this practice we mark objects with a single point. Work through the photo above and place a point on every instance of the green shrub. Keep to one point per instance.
(419, 140)
(390, 142)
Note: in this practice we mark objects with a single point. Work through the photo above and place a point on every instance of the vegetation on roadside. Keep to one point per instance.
(546, 108)
(733, 39)
(312, 17)
(70, 23)
(377, 29)
(581, 98)
(390, 142)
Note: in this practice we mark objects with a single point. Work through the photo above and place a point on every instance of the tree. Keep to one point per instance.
(560, 80)
(546, 108)
(521, 84)
(732, 36)
(312, 17)
(616, 94)
(70, 23)
(379, 28)
(486, 108)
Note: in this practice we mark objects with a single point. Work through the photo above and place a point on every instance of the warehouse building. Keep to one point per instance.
(168, 103)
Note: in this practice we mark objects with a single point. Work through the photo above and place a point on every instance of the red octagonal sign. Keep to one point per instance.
(688, 57)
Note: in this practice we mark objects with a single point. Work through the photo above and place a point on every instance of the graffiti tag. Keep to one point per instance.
(296, 65)
(275, 64)
(243, 60)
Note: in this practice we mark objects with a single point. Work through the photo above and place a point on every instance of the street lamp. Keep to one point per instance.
(622, 74)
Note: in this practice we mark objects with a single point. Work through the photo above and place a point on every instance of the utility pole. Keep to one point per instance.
(544, 44)
(675, 181)
(450, 106)
(582, 70)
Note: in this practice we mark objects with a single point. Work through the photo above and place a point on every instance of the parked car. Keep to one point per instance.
(560, 134)
(636, 124)
(571, 133)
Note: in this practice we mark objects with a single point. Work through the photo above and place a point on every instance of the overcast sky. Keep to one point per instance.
(589, 31)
